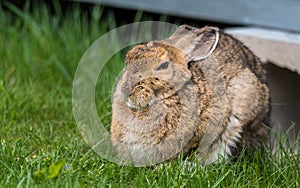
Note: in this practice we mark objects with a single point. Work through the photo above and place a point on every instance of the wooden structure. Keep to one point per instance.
(278, 14)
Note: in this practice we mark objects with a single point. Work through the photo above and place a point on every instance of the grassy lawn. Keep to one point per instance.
(40, 145)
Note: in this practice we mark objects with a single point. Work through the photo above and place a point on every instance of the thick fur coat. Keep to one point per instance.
(199, 90)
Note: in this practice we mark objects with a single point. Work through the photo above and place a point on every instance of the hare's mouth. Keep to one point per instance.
(135, 107)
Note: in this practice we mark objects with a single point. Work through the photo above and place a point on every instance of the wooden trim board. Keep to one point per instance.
(280, 14)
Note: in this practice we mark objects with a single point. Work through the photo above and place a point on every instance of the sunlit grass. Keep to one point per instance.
(39, 54)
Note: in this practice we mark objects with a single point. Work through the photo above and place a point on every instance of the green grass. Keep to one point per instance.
(39, 53)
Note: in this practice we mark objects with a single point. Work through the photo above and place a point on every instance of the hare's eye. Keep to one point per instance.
(163, 66)
(141, 87)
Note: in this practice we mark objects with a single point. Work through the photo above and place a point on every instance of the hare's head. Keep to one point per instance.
(140, 97)
(157, 60)
(148, 91)
(166, 60)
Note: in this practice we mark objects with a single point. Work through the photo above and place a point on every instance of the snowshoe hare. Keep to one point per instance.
(200, 90)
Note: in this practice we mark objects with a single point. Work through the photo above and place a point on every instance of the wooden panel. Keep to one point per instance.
(281, 14)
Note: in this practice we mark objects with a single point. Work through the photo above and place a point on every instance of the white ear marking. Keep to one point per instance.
(213, 47)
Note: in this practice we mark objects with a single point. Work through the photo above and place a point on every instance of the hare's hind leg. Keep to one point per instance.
(250, 107)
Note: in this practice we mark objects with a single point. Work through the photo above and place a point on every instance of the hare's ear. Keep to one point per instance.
(203, 45)
(197, 44)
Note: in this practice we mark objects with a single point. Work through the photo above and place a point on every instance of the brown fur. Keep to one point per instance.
(247, 91)
(156, 88)
(212, 98)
